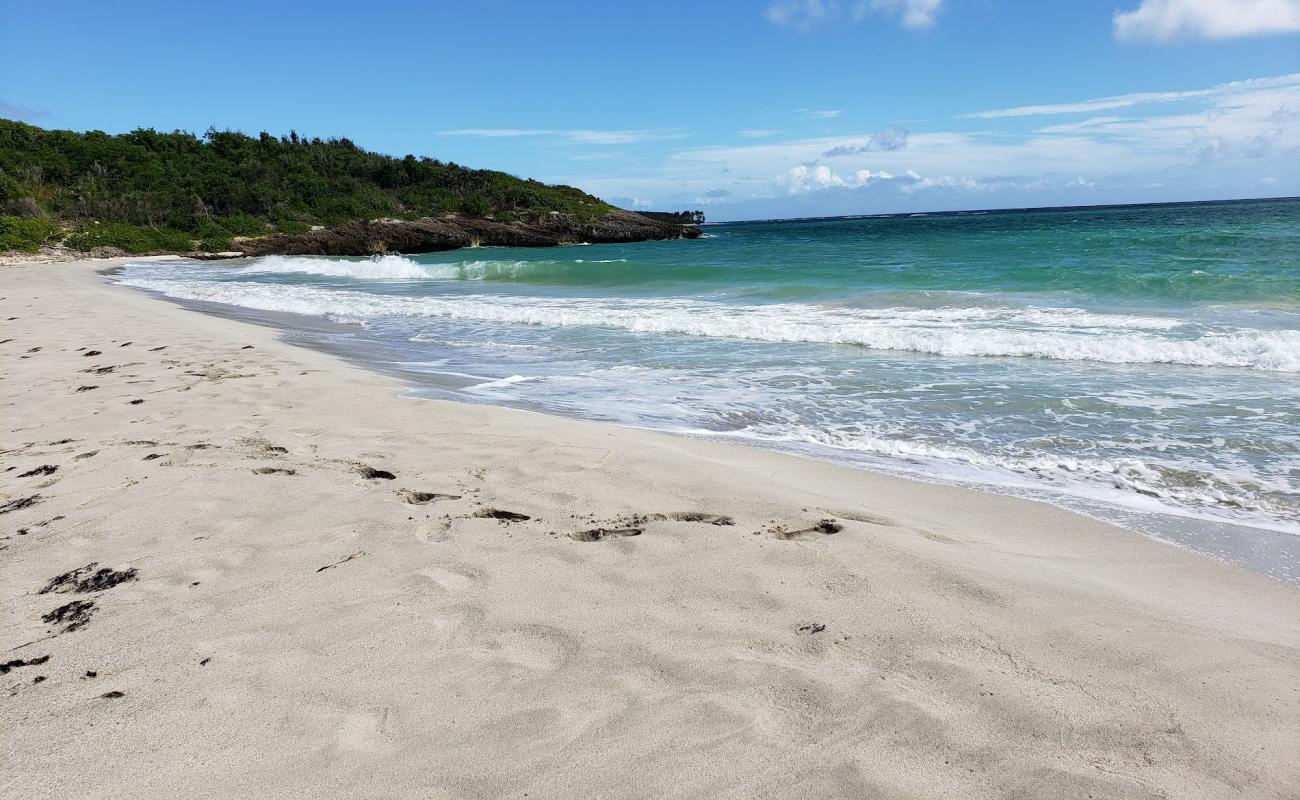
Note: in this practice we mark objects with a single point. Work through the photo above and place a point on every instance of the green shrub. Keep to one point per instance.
(292, 226)
(216, 244)
(28, 233)
(130, 238)
(244, 225)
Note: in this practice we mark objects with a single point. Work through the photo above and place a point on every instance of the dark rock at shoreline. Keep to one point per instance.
(431, 234)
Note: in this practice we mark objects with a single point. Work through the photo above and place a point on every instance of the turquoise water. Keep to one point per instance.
(1138, 363)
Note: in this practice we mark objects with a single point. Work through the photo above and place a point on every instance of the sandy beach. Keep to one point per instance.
(233, 567)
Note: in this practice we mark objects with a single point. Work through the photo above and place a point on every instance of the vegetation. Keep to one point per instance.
(678, 217)
(28, 233)
(147, 191)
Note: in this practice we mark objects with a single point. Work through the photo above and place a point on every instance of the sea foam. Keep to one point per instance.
(1045, 333)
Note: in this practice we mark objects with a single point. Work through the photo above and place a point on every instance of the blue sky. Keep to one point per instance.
(745, 109)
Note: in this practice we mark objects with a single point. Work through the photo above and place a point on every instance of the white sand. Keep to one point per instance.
(974, 645)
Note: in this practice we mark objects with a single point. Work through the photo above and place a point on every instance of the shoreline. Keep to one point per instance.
(969, 642)
(1266, 546)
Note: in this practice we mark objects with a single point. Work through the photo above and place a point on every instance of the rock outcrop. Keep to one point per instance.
(430, 234)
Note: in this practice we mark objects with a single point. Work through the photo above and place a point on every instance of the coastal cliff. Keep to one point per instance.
(449, 232)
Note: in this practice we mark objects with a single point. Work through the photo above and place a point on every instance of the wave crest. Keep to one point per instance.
(1047, 333)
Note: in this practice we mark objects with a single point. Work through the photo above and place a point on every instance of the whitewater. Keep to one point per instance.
(1138, 364)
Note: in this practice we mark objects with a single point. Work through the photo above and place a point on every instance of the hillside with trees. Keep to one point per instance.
(147, 191)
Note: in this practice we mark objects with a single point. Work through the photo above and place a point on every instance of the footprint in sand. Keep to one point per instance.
(634, 525)
(599, 534)
(273, 471)
(421, 498)
(502, 515)
(823, 527)
(370, 473)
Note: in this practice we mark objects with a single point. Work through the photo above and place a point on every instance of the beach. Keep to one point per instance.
(316, 586)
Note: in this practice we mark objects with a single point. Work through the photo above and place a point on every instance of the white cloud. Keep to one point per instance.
(813, 113)
(1137, 98)
(577, 136)
(1225, 141)
(891, 138)
(912, 13)
(1168, 20)
(756, 133)
(804, 15)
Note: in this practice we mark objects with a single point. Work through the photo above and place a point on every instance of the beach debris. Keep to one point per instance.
(342, 561)
(156, 349)
(100, 370)
(89, 353)
(809, 628)
(89, 579)
(27, 530)
(72, 615)
(44, 469)
(370, 473)
(420, 498)
(113, 695)
(6, 666)
(152, 456)
(20, 503)
(499, 514)
(86, 388)
(135, 402)
(125, 344)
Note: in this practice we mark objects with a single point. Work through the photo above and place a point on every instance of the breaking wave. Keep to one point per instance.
(1045, 333)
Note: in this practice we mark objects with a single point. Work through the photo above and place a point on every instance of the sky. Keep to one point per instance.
(746, 110)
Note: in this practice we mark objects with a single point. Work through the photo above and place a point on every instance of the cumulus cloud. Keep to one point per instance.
(1169, 20)
(1221, 141)
(888, 140)
(578, 136)
(804, 15)
(24, 113)
(812, 177)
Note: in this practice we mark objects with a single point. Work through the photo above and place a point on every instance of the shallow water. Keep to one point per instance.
(1141, 364)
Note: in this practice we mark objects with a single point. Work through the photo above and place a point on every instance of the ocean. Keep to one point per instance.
(1139, 364)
